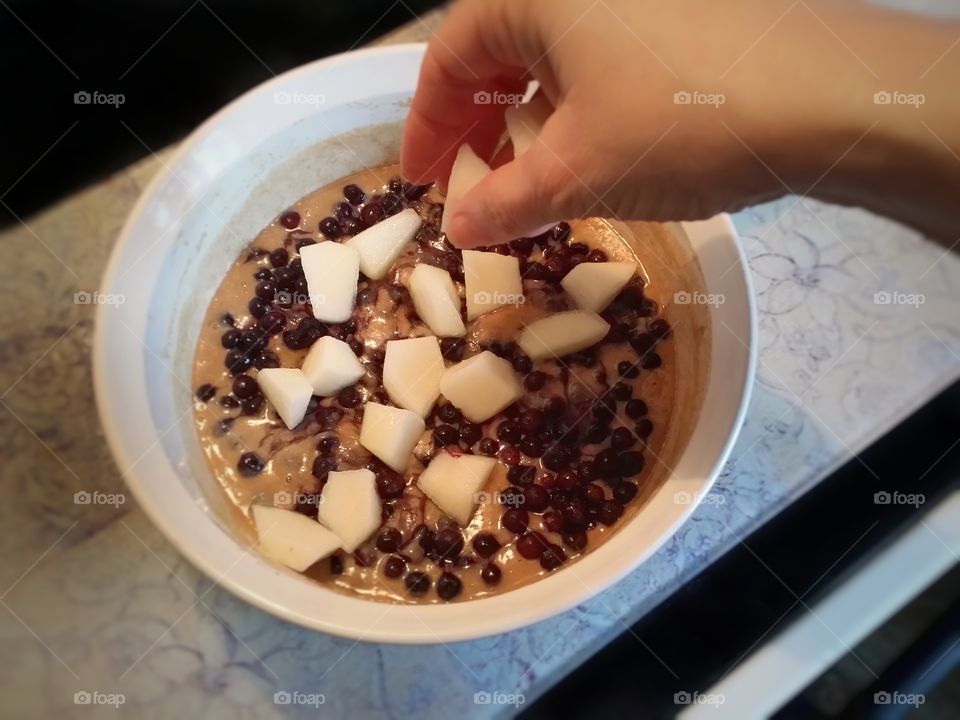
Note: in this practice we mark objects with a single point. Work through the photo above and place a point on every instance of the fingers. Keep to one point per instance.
(523, 196)
(431, 140)
(479, 48)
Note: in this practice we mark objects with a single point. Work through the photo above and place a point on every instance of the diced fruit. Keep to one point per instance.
(332, 271)
(525, 122)
(594, 285)
(350, 507)
(411, 373)
(481, 386)
(288, 390)
(467, 171)
(492, 281)
(390, 433)
(291, 538)
(379, 245)
(330, 366)
(436, 300)
(562, 333)
(453, 483)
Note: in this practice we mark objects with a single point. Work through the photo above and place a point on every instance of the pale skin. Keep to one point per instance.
(799, 110)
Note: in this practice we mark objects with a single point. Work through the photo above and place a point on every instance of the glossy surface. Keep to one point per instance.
(579, 408)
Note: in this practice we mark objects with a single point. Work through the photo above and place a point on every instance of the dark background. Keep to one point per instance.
(175, 61)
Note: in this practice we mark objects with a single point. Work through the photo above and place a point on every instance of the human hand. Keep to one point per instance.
(677, 111)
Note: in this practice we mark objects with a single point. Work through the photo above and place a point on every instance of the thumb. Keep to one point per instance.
(520, 198)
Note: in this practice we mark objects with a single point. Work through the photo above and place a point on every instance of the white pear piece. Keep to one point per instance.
(467, 171)
(562, 333)
(288, 390)
(436, 300)
(390, 433)
(525, 122)
(481, 386)
(350, 507)
(330, 366)
(453, 483)
(331, 270)
(292, 539)
(492, 281)
(379, 245)
(411, 373)
(594, 285)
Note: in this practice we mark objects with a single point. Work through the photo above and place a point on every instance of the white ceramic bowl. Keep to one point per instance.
(282, 139)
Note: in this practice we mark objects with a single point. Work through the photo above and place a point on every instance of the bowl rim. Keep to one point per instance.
(201, 558)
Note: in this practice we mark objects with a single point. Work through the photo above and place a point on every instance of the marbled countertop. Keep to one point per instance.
(95, 599)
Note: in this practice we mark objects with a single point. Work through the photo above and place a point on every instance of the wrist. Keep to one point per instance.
(889, 139)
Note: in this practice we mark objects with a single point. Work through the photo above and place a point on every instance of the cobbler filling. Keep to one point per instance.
(572, 452)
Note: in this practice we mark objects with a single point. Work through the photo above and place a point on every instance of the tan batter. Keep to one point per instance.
(225, 434)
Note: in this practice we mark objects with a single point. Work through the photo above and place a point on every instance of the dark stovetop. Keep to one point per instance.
(707, 626)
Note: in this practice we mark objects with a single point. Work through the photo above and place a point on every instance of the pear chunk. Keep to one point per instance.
(562, 333)
(330, 366)
(436, 300)
(524, 122)
(390, 433)
(594, 285)
(454, 483)
(492, 281)
(288, 390)
(379, 245)
(467, 171)
(411, 373)
(481, 386)
(350, 507)
(331, 270)
(291, 538)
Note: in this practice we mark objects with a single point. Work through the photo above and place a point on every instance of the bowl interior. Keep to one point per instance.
(300, 131)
